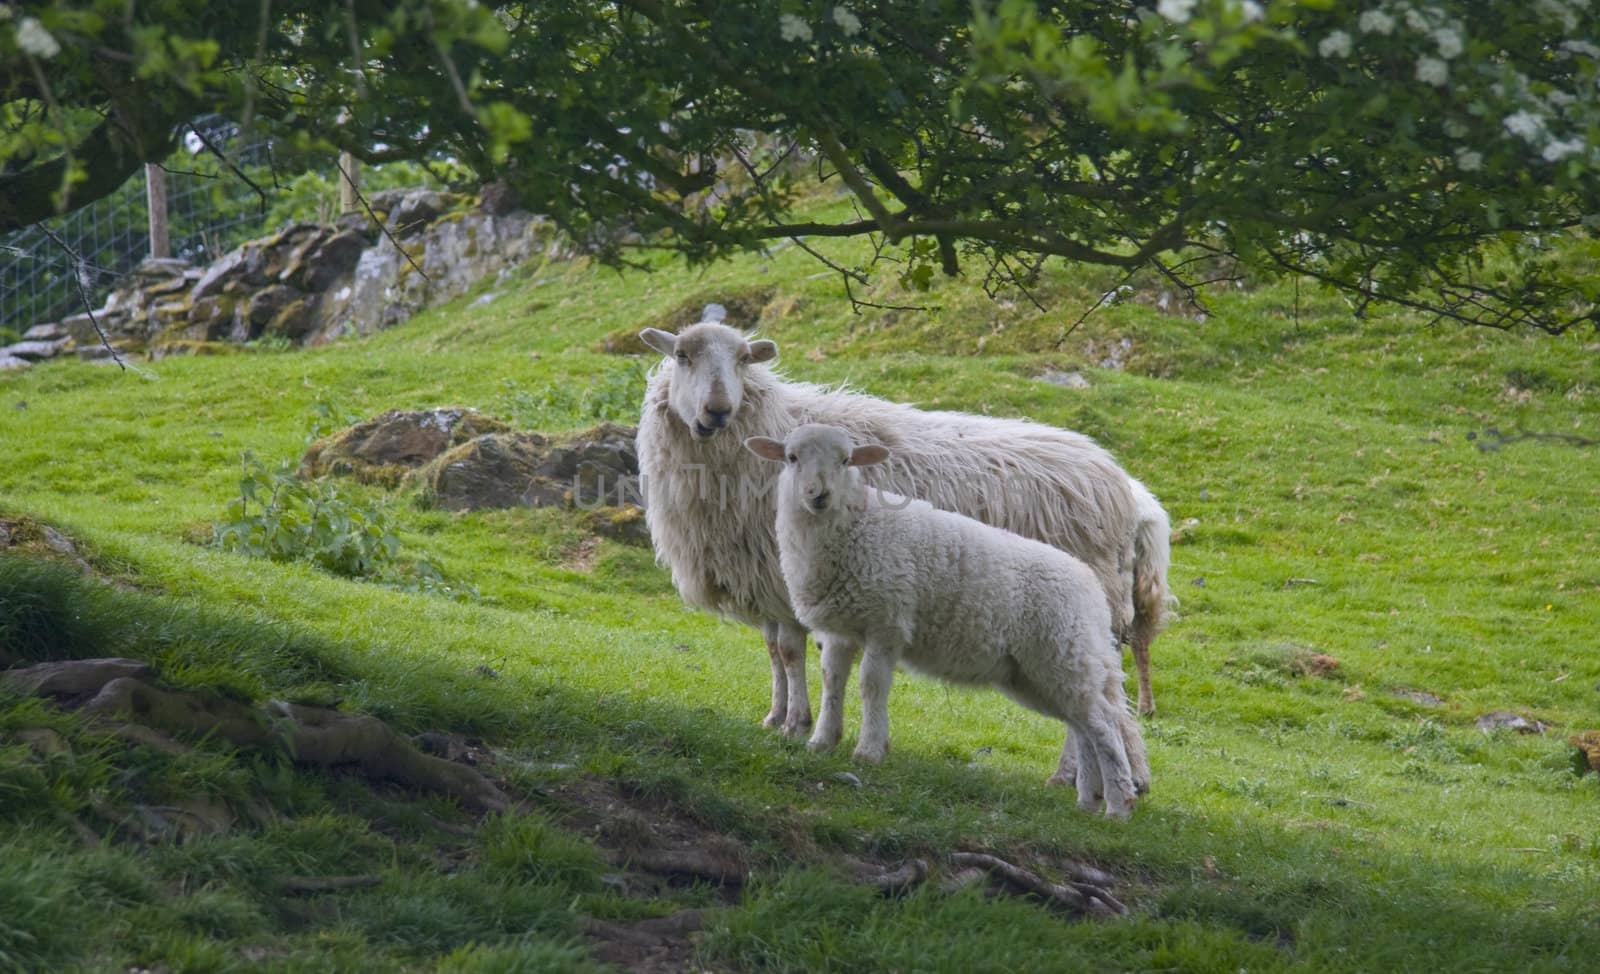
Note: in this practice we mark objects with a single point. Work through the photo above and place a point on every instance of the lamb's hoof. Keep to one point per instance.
(1146, 707)
(797, 728)
(773, 720)
(1119, 812)
(1059, 780)
(869, 755)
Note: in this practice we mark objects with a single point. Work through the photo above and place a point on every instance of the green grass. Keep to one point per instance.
(1330, 494)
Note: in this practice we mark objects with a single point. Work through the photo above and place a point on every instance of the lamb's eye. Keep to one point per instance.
(793, 458)
(683, 358)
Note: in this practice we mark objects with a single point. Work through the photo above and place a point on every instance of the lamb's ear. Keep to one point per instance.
(763, 350)
(664, 342)
(764, 447)
(868, 455)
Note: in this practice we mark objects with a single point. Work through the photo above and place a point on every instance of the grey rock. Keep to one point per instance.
(226, 268)
(334, 257)
(1067, 380)
(48, 332)
(415, 211)
(1505, 718)
(10, 362)
(265, 304)
(35, 351)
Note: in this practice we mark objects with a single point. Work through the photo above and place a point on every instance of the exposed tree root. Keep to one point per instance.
(1078, 896)
(118, 688)
(311, 885)
(702, 864)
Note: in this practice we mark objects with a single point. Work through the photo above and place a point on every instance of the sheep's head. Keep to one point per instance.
(708, 370)
(817, 464)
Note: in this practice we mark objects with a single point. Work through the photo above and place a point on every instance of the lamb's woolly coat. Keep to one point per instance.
(962, 601)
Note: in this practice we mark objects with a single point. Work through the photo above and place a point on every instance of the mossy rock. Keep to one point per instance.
(746, 309)
(490, 472)
(525, 469)
(625, 524)
(384, 449)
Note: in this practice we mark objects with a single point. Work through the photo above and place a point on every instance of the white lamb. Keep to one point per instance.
(710, 507)
(954, 598)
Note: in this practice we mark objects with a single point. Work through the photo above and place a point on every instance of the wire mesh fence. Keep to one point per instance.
(210, 209)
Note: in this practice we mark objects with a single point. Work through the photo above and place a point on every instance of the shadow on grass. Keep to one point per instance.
(1208, 892)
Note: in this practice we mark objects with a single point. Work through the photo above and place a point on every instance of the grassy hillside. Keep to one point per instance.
(1368, 557)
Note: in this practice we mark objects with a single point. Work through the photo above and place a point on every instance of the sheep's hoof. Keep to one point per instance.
(1147, 706)
(823, 742)
(773, 720)
(869, 755)
(1060, 780)
(799, 727)
(1119, 812)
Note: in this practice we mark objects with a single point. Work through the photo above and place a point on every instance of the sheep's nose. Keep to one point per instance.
(718, 417)
(820, 501)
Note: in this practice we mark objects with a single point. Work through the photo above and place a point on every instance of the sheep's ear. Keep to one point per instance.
(664, 342)
(866, 456)
(764, 447)
(762, 350)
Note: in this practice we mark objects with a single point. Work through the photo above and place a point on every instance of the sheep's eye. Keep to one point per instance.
(683, 357)
(793, 458)
(744, 358)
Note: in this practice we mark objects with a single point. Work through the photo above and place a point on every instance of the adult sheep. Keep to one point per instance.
(710, 504)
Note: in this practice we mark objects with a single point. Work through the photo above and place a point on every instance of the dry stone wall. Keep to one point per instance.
(307, 284)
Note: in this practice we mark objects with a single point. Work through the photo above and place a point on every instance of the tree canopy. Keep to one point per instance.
(1441, 155)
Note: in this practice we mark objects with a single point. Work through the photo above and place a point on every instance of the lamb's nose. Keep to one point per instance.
(718, 417)
(820, 502)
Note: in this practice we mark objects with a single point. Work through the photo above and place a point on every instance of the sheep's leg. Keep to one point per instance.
(877, 675)
(780, 679)
(838, 658)
(792, 652)
(1141, 661)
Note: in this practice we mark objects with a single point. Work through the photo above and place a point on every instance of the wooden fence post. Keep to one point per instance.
(155, 184)
(349, 188)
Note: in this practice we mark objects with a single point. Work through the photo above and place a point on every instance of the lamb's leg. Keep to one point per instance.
(1104, 733)
(1089, 783)
(877, 675)
(792, 651)
(1067, 770)
(838, 658)
(780, 679)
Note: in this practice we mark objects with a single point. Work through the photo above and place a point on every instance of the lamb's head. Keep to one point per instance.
(708, 372)
(818, 464)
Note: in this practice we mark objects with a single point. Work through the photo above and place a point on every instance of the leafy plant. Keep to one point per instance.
(279, 516)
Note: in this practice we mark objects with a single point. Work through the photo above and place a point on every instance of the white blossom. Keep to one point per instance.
(1432, 71)
(1448, 41)
(1416, 21)
(1177, 11)
(1558, 149)
(1251, 11)
(1557, 10)
(1336, 44)
(35, 40)
(1524, 124)
(1376, 22)
(793, 28)
(1455, 128)
(847, 21)
(1580, 47)
(1559, 98)
(5, 12)
(1469, 160)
